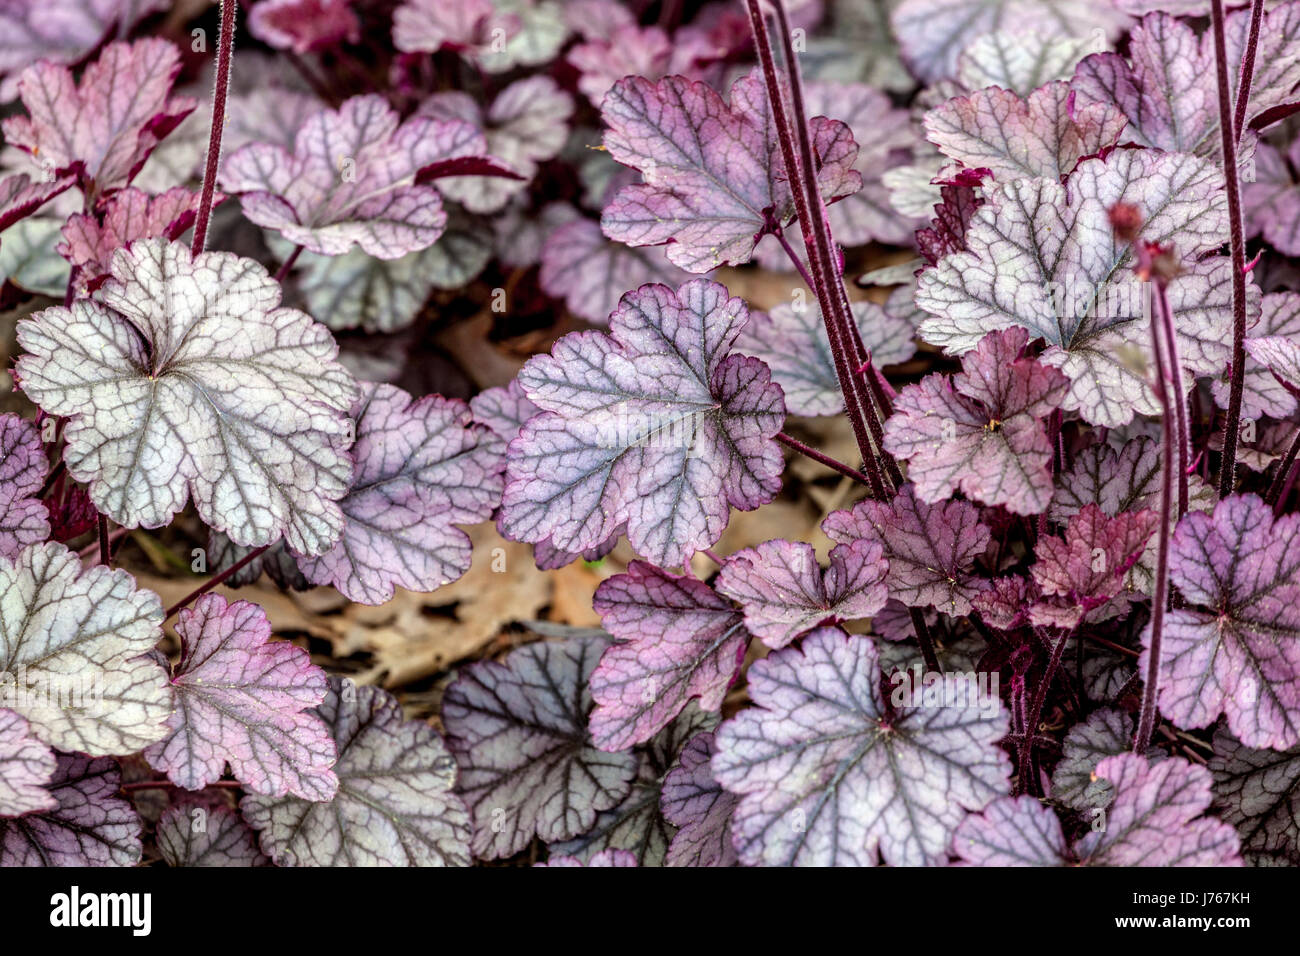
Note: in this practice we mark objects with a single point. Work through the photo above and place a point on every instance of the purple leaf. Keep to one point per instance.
(1271, 200)
(422, 468)
(655, 424)
(933, 33)
(1044, 135)
(26, 766)
(60, 31)
(427, 26)
(304, 26)
(629, 50)
(24, 519)
(713, 179)
(1170, 92)
(105, 127)
(243, 699)
(1085, 570)
(603, 858)
(885, 139)
(785, 593)
(638, 824)
(192, 833)
(981, 431)
(792, 340)
(959, 199)
(930, 548)
(693, 801)
(526, 124)
(1274, 347)
(677, 640)
(591, 273)
(82, 633)
(184, 378)
(350, 179)
(394, 806)
(828, 776)
(1043, 256)
(1259, 794)
(89, 826)
(90, 241)
(519, 732)
(1155, 820)
(1240, 655)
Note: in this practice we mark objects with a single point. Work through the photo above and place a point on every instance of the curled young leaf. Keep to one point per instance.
(243, 699)
(656, 424)
(184, 378)
(394, 806)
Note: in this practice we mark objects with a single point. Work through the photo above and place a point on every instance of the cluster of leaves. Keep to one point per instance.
(1014, 644)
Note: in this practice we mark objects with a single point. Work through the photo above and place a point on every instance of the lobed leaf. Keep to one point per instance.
(89, 825)
(24, 519)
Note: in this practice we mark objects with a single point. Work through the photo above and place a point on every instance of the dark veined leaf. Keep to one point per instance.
(1236, 649)
(193, 833)
(519, 732)
(243, 699)
(713, 179)
(785, 593)
(828, 775)
(656, 424)
(931, 549)
(184, 378)
(90, 825)
(676, 640)
(77, 637)
(1154, 820)
(26, 766)
(982, 430)
(24, 519)
(693, 801)
(1259, 794)
(394, 806)
(1075, 784)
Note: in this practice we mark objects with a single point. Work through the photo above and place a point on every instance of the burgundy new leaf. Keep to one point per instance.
(676, 640)
(827, 775)
(981, 431)
(713, 179)
(930, 549)
(784, 592)
(304, 26)
(655, 424)
(243, 699)
(90, 241)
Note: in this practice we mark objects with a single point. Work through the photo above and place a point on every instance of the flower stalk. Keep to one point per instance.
(225, 53)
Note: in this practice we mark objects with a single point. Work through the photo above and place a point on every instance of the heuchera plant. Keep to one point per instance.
(1032, 360)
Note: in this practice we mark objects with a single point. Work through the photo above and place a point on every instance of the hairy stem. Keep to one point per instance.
(285, 266)
(225, 52)
(1247, 68)
(797, 155)
(827, 460)
(1164, 316)
(1035, 713)
(214, 581)
(1160, 600)
(1284, 476)
(1228, 138)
